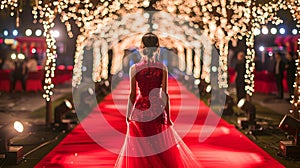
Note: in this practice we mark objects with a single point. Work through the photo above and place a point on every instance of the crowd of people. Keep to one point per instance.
(280, 65)
(19, 69)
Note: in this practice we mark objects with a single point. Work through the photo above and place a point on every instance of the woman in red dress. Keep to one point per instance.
(151, 141)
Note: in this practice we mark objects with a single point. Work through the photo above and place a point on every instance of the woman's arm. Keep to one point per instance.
(132, 95)
(166, 98)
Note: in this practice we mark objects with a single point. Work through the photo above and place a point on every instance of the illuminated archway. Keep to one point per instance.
(130, 28)
(119, 33)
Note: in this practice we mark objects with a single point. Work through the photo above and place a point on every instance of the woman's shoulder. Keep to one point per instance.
(133, 67)
(164, 67)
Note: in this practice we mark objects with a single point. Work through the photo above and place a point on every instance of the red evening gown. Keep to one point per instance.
(150, 142)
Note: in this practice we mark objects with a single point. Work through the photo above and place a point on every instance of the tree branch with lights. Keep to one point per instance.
(294, 6)
(258, 15)
(222, 21)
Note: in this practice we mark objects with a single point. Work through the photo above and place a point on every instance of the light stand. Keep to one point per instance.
(290, 148)
(60, 112)
(13, 154)
(249, 121)
(228, 107)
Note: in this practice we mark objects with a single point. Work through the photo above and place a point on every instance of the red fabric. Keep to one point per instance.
(34, 80)
(225, 147)
(292, 40)
(264, 81)
(148, 119)
(279, 41)
(62, 75)
(4, 80)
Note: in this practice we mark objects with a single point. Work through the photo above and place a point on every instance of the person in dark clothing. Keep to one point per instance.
(240, 71)
(278, 71)
(19, 74)
(291, 70)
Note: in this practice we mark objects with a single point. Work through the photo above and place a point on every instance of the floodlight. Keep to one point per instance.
(10, 130)
(290, 148)
(261, 48)
(28, 32)
(273, 30)
(292, 126)
(15, 32)
(38, 32)
(13, 56)
(21, 56)
(13, 154)
(228, 106)
(61, 109)
(250, 110)
(5, 32)
(282, 31)
(33, 50)
(64, 116)
(295, 31)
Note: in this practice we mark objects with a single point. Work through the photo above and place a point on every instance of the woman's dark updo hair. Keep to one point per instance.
(150, 44)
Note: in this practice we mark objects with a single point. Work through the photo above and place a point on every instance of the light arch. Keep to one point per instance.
(109, 32)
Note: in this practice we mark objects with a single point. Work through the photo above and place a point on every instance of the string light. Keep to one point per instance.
(12, 5)
(110, 32)
(222, 21)
(50, 65)
(294, 7)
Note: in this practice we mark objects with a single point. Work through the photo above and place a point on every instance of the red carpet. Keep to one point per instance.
(225, 147)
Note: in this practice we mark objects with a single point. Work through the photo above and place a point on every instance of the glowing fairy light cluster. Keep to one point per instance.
(258, 15)
(211, 16)
(294, 6)
(84, 13)
(131, 27)
(48, 24)
(221, 20)
(296, 97)
(12, 5)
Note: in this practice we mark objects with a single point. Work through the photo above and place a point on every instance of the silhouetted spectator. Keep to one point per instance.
(258, 64)
(240, 71)
(291, 70)
(19, 74)
(278, 71)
